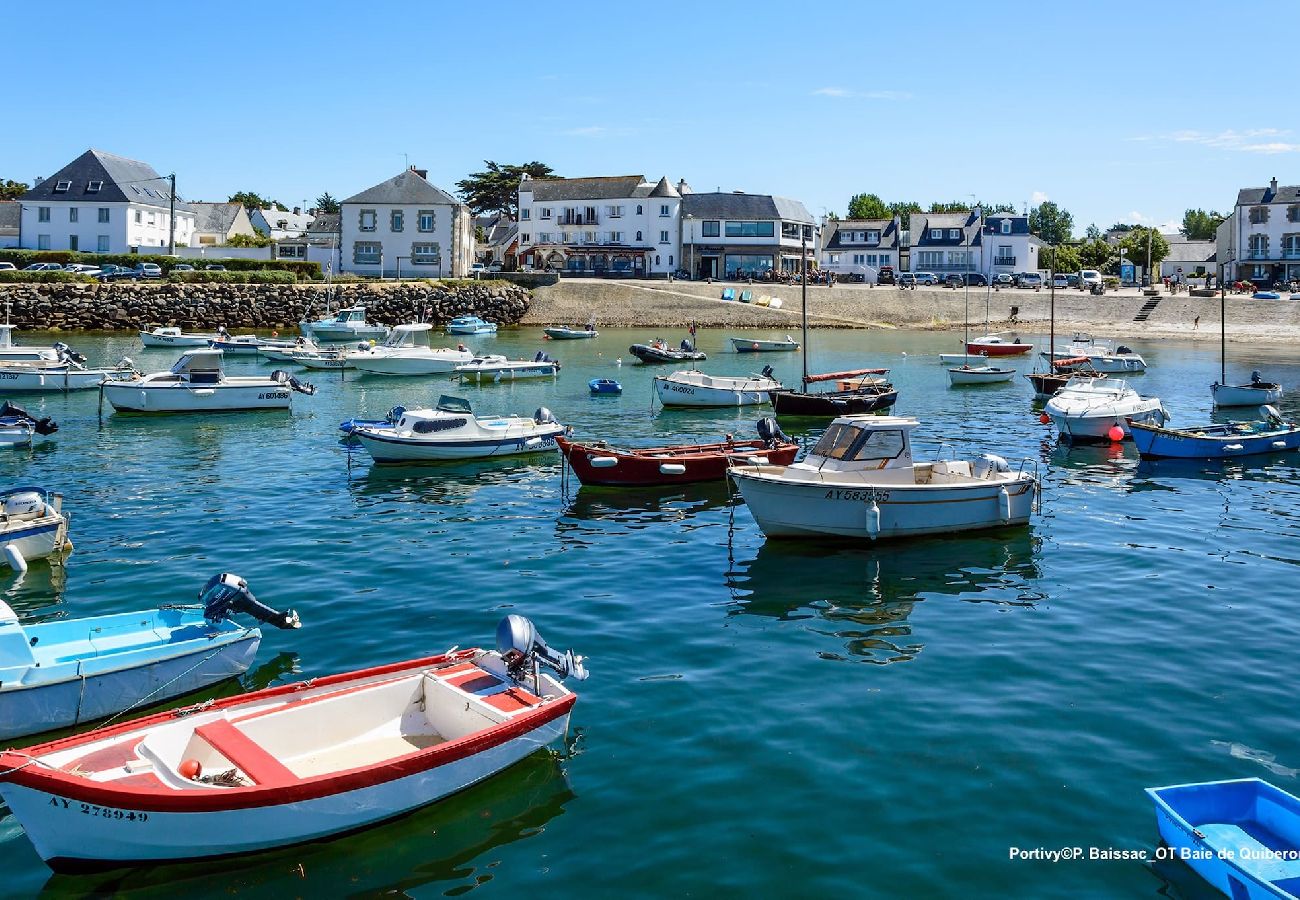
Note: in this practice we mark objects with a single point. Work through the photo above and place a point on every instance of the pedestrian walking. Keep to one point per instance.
(1196, 324)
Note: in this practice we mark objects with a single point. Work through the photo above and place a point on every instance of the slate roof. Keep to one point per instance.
(744, 206)
(296, 223)
(325, 223)
(11, 212)
(664, 189)
(888, 229)
(408, 188)
(1183, 250)
(993, 224)
(614, 187)
(924, 223)
(1286, 193)
(218, 218)
(124, 180)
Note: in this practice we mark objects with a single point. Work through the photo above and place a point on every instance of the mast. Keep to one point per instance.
(1223, 336)
(803, 262)
(1051, 342)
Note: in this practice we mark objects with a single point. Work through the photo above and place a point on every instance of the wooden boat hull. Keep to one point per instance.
(1154, 442)
(648, 354)
(660, 465)
(751, 345)
(832, 403)
(980, 375)
(998, 349)
(1256, 394)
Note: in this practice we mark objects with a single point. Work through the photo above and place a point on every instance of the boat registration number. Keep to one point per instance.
(9, 376)
(859, 496)
(679, 389)
(274, 395)
(100, 812)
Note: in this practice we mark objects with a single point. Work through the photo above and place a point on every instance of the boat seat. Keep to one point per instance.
(251, 758)
(1234, 839)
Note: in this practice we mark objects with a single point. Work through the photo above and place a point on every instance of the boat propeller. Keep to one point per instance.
(302, 387)
(226, 594)
(770, 431)
(519, 644)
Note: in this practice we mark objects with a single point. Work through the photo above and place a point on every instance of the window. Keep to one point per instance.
(525, 238)
(663, 237)
(833, 259)
(748, 265)
(638, 237)
(928, 259)
(72, 242)
(62, 187)
(207, 239)
(848, 442)
(958, 259)
(366, 252)
(103, 215)
(616, 237)
(523, 214)
(290, 251)
(789, 230)
(663, 209)
(426, 255)
(1293, 213)
(1006, 227)
(72, 213)
(954, 234)
(639, 209)
(589, 215)
(152, 222)
(859, 259)
(396, 220)
(1257, 246)
(424, 221)
(873, 237)
(1258, 215)
(369, 220)
(139, 217)
(42, 214)
(1291, 246)
(589, 237)
(546, 212)
(751, 229)
(670, 259)
(42, 242)
(614, 211)
(710, 228)
(102, 245)
(92, 187)
(936, 234)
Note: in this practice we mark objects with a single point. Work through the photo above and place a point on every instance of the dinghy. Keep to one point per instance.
(962, 375)
(32, 526)
(759, 345)
(470, 325)
(198, 383)
(658, 351)
(693, 388)
(66, 672)
(293, 763)
(1257, 393)
(604, 386)
(565, 333)
(347, 325)
(19, 428)
(452, 431)
(170, 336)
(1217, 440)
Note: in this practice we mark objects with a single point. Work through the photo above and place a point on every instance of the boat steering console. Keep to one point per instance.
(520, 646)
(227, 594)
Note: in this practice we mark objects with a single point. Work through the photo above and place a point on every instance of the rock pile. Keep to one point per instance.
(97, 307)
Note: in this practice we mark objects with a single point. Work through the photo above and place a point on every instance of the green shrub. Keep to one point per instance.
(253, 277)
(305, 271)
(8, 277)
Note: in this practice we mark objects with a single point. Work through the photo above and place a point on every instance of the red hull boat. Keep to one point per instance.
(994, 345)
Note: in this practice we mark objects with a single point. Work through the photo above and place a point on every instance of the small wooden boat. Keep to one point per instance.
(470, 325)
(19, 428)
(32, 526)
(1257, 393)
(452, 431)
(870, 397)
(198, 383)
(66, 672)
(658, 351)
(1217, 440)
(963, 375)
(597, 463)
(292, 763)
(693, 388)
(169, 336)
(494, 369)
(996, 345)
(760, 345)
(565, 333)
(1241, 836)
(604, 386)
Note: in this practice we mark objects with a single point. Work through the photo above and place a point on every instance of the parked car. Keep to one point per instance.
(1072, 279)
(7, 267)
(953, 280)
(927, 278)
(494, 268)
(1088, 278)
(1030, 280)
(81, 269)
(1060, 281)
(1004, 280)
(976, 279)
(43, 267)
(214, 267)
(116, 273)
(149, 270)
(907, 279)
(885, 275)
(477, 269)
(183, 267)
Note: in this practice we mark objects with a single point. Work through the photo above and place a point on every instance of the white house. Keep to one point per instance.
(1260, 240)
(860, 246)
(279, 224)
(739, 235)
(101, 203)
(607, 226)
(216, 223)
(969, 241)
(1005, 245)
(406, 226)
(1188, 259)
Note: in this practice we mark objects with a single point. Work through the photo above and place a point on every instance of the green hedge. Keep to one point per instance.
(10, 277)
(306, 271)
(255, 277)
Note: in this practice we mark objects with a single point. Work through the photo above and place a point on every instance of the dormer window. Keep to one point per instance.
(62, 187)
(93, 187)
(873, 237)
(954, 233)
(1006, 226)
(936, 234)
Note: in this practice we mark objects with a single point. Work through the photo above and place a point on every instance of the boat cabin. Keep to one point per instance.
(408, 336)
(199, 367)
(864, 442)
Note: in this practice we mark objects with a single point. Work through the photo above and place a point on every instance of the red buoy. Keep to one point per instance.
(1045, 418)
(190, 768)
(1116, 433)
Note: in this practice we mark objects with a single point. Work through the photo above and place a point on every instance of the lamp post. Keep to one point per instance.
(690, 220)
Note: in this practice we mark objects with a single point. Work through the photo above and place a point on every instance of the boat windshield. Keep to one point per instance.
(447, 403)
(850, 443)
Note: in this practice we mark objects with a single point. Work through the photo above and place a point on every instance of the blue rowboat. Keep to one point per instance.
(69, 671)
(1242, 836)
(605, 386)
(470, 325)
(352, 425)
(1216, 441)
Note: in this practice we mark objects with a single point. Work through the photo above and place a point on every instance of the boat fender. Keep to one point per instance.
(873, 520)
(1004, 504)
(191, 769)
(672, 469)
(14, 557)
(602, 462)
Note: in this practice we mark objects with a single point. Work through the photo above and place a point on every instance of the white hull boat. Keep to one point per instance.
(860, 482)
(174, 337)
(348, 325)
(285, 353)
(11, 352)
(980, 375)
(452, 431)
(494, 369)
(292, 763)
(19, 378)
(32, 526)
(1257, 393)
(760, 345)
(407, 352)
(565, 333)
(1084, 353)
(962, 359)
(1086, 409)
(249, 345)
(197, 383)
(699, 389)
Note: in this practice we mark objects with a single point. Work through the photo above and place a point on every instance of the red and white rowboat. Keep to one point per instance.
(995, 345)
(293, 763)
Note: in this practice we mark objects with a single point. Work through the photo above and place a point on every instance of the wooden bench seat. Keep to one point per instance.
(251, 758)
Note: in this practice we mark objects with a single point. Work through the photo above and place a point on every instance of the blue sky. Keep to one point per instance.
(1129, 111)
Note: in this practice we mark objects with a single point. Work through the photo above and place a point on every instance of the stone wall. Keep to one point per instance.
(206, 306)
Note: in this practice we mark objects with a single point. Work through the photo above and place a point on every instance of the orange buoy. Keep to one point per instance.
(755, 346)
(1045, 418)
(1116, 433)
(190, 768)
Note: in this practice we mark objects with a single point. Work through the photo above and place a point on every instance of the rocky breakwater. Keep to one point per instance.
(119, 306)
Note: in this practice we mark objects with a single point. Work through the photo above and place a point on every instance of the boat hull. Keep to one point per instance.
(36, 538)
(674, 393)
(567, 334)
(471, 329)
(406, 365)
(510, 373)
(980, 375)
(831, 403)
(1097, 426)
(149, 339)
(1045, 385)
(179, 397)
(339, 334)
(16, 379)
(818, 509)
(387, 448)
(648, 354)
(999, 349)
(1245, 394)
(746, 345)
(1184, 443)
(659, 466)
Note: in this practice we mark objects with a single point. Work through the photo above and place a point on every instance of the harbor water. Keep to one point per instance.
(763, 718)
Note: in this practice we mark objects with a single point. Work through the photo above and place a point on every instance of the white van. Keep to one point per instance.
(1087, 278)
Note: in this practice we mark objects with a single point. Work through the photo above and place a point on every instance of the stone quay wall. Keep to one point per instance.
(117, 306)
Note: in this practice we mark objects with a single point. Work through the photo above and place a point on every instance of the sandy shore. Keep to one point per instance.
(661, 304)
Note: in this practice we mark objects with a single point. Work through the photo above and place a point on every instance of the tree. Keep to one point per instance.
(1051, 223)
(1060, 259)
(1094, 253)
(250, 200)
(1199, 225)
(326, 203)
(1121, 227)
(1135, 244)
(955, 206)
(904, 209)
(867, 206)
(1092, 233)
(12, 190)
(496, 190)
(245, 240)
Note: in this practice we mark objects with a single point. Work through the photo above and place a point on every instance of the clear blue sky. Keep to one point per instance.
(1118, 111)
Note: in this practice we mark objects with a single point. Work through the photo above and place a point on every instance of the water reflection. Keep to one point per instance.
(455, 843)
(600, 510)
(864, 598)
(449, 483)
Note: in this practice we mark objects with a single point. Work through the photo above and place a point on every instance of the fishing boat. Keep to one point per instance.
(280, 353)
(997, 345)
(407, 352)
(962, 359)
(470, 325)
(760, 345)
(32, 526)
(1242, 836)
(39, 377)
(494, 369)
(658, 351)
(860, 482)
(198, 383)
(599, 463)
(693, 388)
(327, 358)
(66, 672)
(19, 428)
(1218, 440)
(604, 386)
(1085, 353)
(452, 431)
(171, 336)
(963, 375)
(248, 344)
(1100, 409)
(292, 763)
(565, 333)
(986, 346)
(1257, 393)
(346, 325)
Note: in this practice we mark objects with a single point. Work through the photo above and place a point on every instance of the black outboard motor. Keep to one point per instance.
(67, 354)
(1122, 349)
(767, 372)
(227, 594)
(519, 645)
(771, 432)
(1255, 377)
(302, 387)
(43, 425)
(686, 345)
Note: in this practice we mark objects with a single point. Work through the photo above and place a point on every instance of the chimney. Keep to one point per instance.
(297, 210)
(1273, 185)
(313, 212)
(423, 173)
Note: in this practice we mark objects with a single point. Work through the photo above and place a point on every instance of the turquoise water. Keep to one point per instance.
(762, 718)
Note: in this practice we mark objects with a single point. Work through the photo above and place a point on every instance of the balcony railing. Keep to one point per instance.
(1004, 260)
(1256, 254)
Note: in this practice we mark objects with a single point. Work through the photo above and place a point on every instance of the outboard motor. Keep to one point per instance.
(1271, 415)
(1255, 377)
(520, 645)
(686, 345)
(22, 505)
(302, 387)
(227, 594)
(1122, 349)
(989, 465)
(395, 415)
(43, 425)
(770, 431)
(543, 416)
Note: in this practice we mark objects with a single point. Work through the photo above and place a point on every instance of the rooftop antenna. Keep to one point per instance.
(407, 157)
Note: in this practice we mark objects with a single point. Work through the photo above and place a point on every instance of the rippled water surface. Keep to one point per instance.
(762, 717)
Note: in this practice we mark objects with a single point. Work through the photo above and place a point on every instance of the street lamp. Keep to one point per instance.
(690, 219)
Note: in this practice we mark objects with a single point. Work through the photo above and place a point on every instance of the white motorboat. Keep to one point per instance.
(332, 358)
(282, 351)
(984, 374)
(1084, 353)
(860, 482)
(198, 383)
(498, 368)
(66, 374)
(32, 526)
(1256, 393)
(347, 325)
(248, 344)
(407, 352)
(962, 359)
(695, 388)
(11, 352)
(997, 345)
(452, 431)
(761, 345)
(1096, 409)
(169, 336)
(19, 428)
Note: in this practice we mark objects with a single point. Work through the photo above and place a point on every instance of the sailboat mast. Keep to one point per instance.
(1051, 342)
(803, 262)
(1223, 336)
